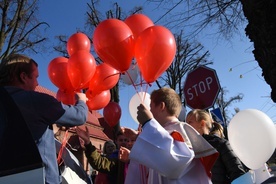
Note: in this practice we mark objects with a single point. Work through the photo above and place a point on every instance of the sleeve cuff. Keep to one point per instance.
(146, 122)
(89, 148)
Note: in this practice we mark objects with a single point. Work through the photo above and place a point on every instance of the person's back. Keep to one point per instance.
(228, 166)
(18, 74)
(40, 111)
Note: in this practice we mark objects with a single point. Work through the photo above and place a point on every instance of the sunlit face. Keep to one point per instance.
(121, 141)
(130, 143)
(30, 81)
(153, 109)
(195, 124)
(110, 148)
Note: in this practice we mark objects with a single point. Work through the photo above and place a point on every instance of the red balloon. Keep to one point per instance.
(78, 41)
(112, 113)
(114, 44)
(66, 97)
(138, 23)
(105, 77)
(98, 101)
(155, 50)
(81, 68)
(86, 85)
(57, 72)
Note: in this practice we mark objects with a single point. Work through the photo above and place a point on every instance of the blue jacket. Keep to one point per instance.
(40, 112)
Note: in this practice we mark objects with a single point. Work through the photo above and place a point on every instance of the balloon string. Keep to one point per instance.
(141, 86)
(145, 93)
(132, 82)
(64, 141)
(134, 85)
(142, 99)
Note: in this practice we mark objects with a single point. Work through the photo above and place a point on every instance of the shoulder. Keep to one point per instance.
(15, 91)
(174, 125)
(31, 97)
(215, 140)
(42, 95)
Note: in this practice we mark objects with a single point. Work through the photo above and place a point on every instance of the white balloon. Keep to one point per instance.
(135, 101)
(262, 174)
(132, 75)
(252, 136)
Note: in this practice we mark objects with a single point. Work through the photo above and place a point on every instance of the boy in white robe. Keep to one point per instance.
(173, 151)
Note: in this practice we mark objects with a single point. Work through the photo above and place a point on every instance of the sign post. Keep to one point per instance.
(201, 88)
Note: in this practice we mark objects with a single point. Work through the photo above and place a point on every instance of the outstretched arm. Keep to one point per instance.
(96, 160)
(84, 135)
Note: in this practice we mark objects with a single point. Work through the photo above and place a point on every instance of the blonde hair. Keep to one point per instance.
(200, 115)
(217, 129)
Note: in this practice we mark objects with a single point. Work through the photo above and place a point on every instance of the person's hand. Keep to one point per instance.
(84, 135)
(81, 96)
(124, 154)
(143, 114)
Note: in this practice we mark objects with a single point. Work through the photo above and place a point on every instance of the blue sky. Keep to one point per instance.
(67, 16)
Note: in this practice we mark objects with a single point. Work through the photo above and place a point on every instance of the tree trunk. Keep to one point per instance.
(261, 30)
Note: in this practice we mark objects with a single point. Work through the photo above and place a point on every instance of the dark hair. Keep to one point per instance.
(119, 133)
(12, 66)
(106, 144)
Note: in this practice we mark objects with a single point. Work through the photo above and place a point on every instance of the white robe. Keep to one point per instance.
(170, 161)
(140, 173)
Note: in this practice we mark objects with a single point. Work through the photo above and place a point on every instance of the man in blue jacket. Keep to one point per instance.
(18, 74)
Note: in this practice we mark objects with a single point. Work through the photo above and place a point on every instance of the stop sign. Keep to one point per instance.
(201, 88)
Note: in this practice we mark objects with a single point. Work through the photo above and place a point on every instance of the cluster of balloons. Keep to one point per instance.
(73, 73)
(80, 71)
(252, 136)
(117, 43)
(152, 47)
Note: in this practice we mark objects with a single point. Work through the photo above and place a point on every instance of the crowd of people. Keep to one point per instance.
(163, 151)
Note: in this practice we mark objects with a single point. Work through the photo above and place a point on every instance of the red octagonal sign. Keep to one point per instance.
(201, 88)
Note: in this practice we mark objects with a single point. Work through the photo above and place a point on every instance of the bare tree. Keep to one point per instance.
(19, 28)
(226, 18)
(224, 104)
(188, 57)
(61, 46)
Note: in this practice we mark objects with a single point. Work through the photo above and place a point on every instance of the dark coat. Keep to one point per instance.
(111, 166)
(228, 166)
